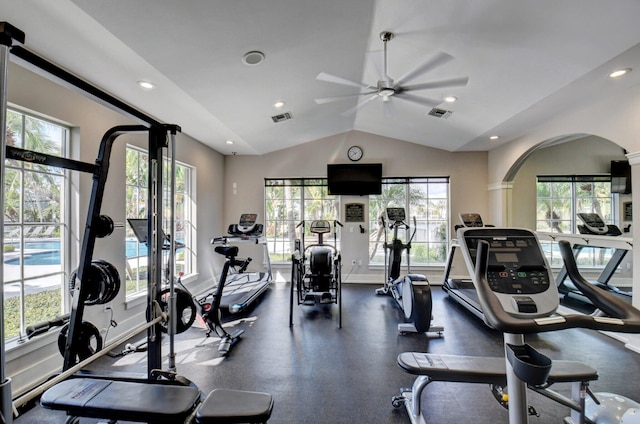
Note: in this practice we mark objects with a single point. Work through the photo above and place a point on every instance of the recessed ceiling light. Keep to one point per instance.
(278, 104)
(229, 141)
(450, 99)
(146, 85)
(619, 72)
(253, 58)
(494, 137)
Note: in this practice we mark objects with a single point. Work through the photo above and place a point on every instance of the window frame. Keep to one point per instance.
(430, 245)
(595, 258)
(40, 232)
(136, 281)
(280, 250)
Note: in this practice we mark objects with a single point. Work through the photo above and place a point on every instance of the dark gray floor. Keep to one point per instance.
(318, 373)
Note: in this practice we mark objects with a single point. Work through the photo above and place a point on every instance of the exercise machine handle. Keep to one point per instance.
(607, 302)
(624, 317)
(44, 326)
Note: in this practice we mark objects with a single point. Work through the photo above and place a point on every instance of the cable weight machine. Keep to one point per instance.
(84, 396)
(97, 225)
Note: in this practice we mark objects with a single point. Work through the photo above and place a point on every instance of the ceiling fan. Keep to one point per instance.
(386, 88)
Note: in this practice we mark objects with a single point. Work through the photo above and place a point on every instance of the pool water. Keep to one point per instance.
(48, 252)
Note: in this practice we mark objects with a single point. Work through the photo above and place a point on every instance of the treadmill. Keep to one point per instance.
(512, 248)
(594, 233)
(457, 281)
(243, 288)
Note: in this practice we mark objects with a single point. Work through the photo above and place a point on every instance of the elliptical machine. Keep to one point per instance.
(411, 291)
(316, 269)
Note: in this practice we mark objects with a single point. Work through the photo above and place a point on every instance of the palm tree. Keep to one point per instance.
(40, 184)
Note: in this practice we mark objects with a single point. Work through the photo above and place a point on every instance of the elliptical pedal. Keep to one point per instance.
(326, 298)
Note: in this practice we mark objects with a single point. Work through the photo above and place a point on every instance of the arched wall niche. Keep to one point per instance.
(571, 154)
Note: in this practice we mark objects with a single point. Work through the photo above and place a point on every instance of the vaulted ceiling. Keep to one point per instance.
(526, 62)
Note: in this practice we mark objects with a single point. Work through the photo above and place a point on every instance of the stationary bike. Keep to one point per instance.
(316, 270)
(411, 291)
(189, 307)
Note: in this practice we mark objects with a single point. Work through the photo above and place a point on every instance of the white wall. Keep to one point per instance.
(32, 361)
(467, 170)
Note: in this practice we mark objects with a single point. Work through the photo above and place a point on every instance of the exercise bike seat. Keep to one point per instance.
(227, 251)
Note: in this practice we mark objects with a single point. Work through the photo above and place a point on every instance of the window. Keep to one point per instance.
(426, 200)
(137, 170)
(289, 201)
(558, 201)
(35, 225)
(561, 198)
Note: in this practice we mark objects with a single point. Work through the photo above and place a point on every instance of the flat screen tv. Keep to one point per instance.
(354, 178)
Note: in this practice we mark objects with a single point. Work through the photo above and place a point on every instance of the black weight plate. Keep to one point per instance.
(185, 309)
(88, 343)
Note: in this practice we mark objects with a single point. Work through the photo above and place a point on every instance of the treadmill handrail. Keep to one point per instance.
(624, 317)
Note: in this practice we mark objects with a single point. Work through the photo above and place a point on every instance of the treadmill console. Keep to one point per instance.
(471, 220)
(518, 272)
(594, 224)
(247, 226)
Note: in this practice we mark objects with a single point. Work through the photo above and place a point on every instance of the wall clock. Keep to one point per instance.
(355, 153)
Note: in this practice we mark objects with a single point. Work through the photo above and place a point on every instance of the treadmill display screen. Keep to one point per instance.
(592, 220)
(516, 263)
(506, 257)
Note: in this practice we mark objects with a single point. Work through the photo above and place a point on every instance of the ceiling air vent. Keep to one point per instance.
(282, 117)
(439, 113)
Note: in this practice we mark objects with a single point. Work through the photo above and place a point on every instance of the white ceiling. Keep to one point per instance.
(527, 61)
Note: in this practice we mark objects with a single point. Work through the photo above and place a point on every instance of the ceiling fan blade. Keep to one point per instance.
(422, 101)
(439, 59)
(323, 76)
(453, 82)
(360, 105)
(338, 98)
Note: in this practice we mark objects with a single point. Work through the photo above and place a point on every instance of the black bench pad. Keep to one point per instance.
(120, 400)
(235, 406)
(473, 369)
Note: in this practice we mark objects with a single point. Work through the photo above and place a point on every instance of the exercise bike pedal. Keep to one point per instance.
(309, 300)
(228, 341)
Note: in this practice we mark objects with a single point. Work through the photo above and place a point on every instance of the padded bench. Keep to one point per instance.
(155, 402)
(473, 369)
(234, 406)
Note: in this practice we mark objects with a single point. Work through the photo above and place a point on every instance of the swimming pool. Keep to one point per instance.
(47, 252)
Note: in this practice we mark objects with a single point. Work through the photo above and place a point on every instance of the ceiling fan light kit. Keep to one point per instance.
(387, 88)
